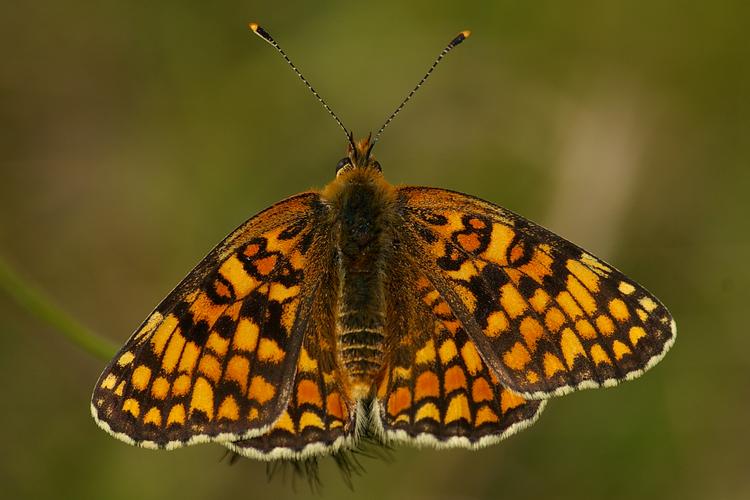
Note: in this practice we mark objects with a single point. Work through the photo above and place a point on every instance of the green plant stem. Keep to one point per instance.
(40, 306)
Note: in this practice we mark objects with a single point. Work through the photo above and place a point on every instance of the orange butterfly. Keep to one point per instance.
(416, 314)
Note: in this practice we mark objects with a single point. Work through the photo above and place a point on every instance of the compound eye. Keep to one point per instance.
(376, 166)
(343, 162)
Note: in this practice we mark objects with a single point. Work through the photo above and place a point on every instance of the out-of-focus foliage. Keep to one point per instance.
(136, 135)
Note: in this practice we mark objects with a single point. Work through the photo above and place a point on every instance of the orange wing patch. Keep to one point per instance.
(545, 315)
(216, 360)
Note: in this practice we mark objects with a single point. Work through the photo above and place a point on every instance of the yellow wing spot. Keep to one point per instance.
(508, 400)
(467, 297)
(458, 409)
(581, 294)
(131, 406)
(427, 385)
(285, 423)
(431, 296)
(269, 351)
(648, 304)
(280, 293)
(120, 388)
(217, 343)
(399, 401)
(599, 356)
(153, 416)
(140, 378)
(589, 279)
(189, 357)
(234, 271)
(308, 392)
(160, 388)
(571, 347)
(228, 409)
(481, 390)
(246, 335)
(426, 355)
(532, 376)
(497, 323)
(516, 357)
(618, 309)
(260, 390)
(500, 239)
(108, 382)
(554, 319)
(151, 323)
(448, 351)
(538, 267)
(636, 333)
(585, 329)
(173, 352)
(605, 325)
(454, 378)
(309, 419)
(181, 385)
(512, 301)
(620, 349)
(205, 308)
(404, 417)
(641, 314)
(552, 365)
(463, 273)
(306, 363)
(161, 335)
(598, 266)
(399, 372)
(176, 415)
(626, 288)
(568, 304)
(253, 414)
(203, 397)
(210, 367)
(238, 369)
(126, 358)
(532, 331)
(485, 416)
(539, 300)
(429, 410)
(471, 358)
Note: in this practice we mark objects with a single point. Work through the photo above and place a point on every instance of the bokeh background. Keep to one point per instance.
(136, 135)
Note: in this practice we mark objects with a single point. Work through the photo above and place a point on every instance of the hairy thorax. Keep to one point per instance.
(362, 204)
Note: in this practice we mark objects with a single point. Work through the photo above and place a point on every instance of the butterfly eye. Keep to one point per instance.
(376, 165)
(343, 162)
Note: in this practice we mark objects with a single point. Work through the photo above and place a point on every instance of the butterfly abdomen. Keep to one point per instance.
(361, 205)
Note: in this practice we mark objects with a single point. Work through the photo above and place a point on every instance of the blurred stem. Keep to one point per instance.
(41, 307)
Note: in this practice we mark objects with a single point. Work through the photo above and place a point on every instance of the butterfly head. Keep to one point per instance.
(358, 155)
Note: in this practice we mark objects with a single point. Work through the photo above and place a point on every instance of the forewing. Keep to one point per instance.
(436, 389)
(216, 359)
(320, 417)
(546, 316)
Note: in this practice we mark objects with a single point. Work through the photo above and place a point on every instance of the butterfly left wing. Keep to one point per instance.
(546, 316)
(436, 389)
(215, 361)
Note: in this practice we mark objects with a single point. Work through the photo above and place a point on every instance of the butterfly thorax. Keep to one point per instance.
(362, 206)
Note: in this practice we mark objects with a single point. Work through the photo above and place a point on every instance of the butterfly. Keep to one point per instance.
(415, 314)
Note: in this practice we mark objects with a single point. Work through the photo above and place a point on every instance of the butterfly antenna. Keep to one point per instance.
(458, 39)
(268, 38)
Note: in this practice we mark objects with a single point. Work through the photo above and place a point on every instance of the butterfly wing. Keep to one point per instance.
(216, 359)
(546, 316)
(436, 388)
(319, 418)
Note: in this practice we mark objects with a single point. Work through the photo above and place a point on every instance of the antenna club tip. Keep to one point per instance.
(466, 33)
(253, 27)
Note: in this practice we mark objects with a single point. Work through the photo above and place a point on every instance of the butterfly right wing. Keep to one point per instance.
(216, 360)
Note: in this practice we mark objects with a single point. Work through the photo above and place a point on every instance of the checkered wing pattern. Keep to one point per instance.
(436, 388)
(544, 315)
(216, 360)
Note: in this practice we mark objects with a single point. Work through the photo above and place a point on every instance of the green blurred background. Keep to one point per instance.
(136, 135)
